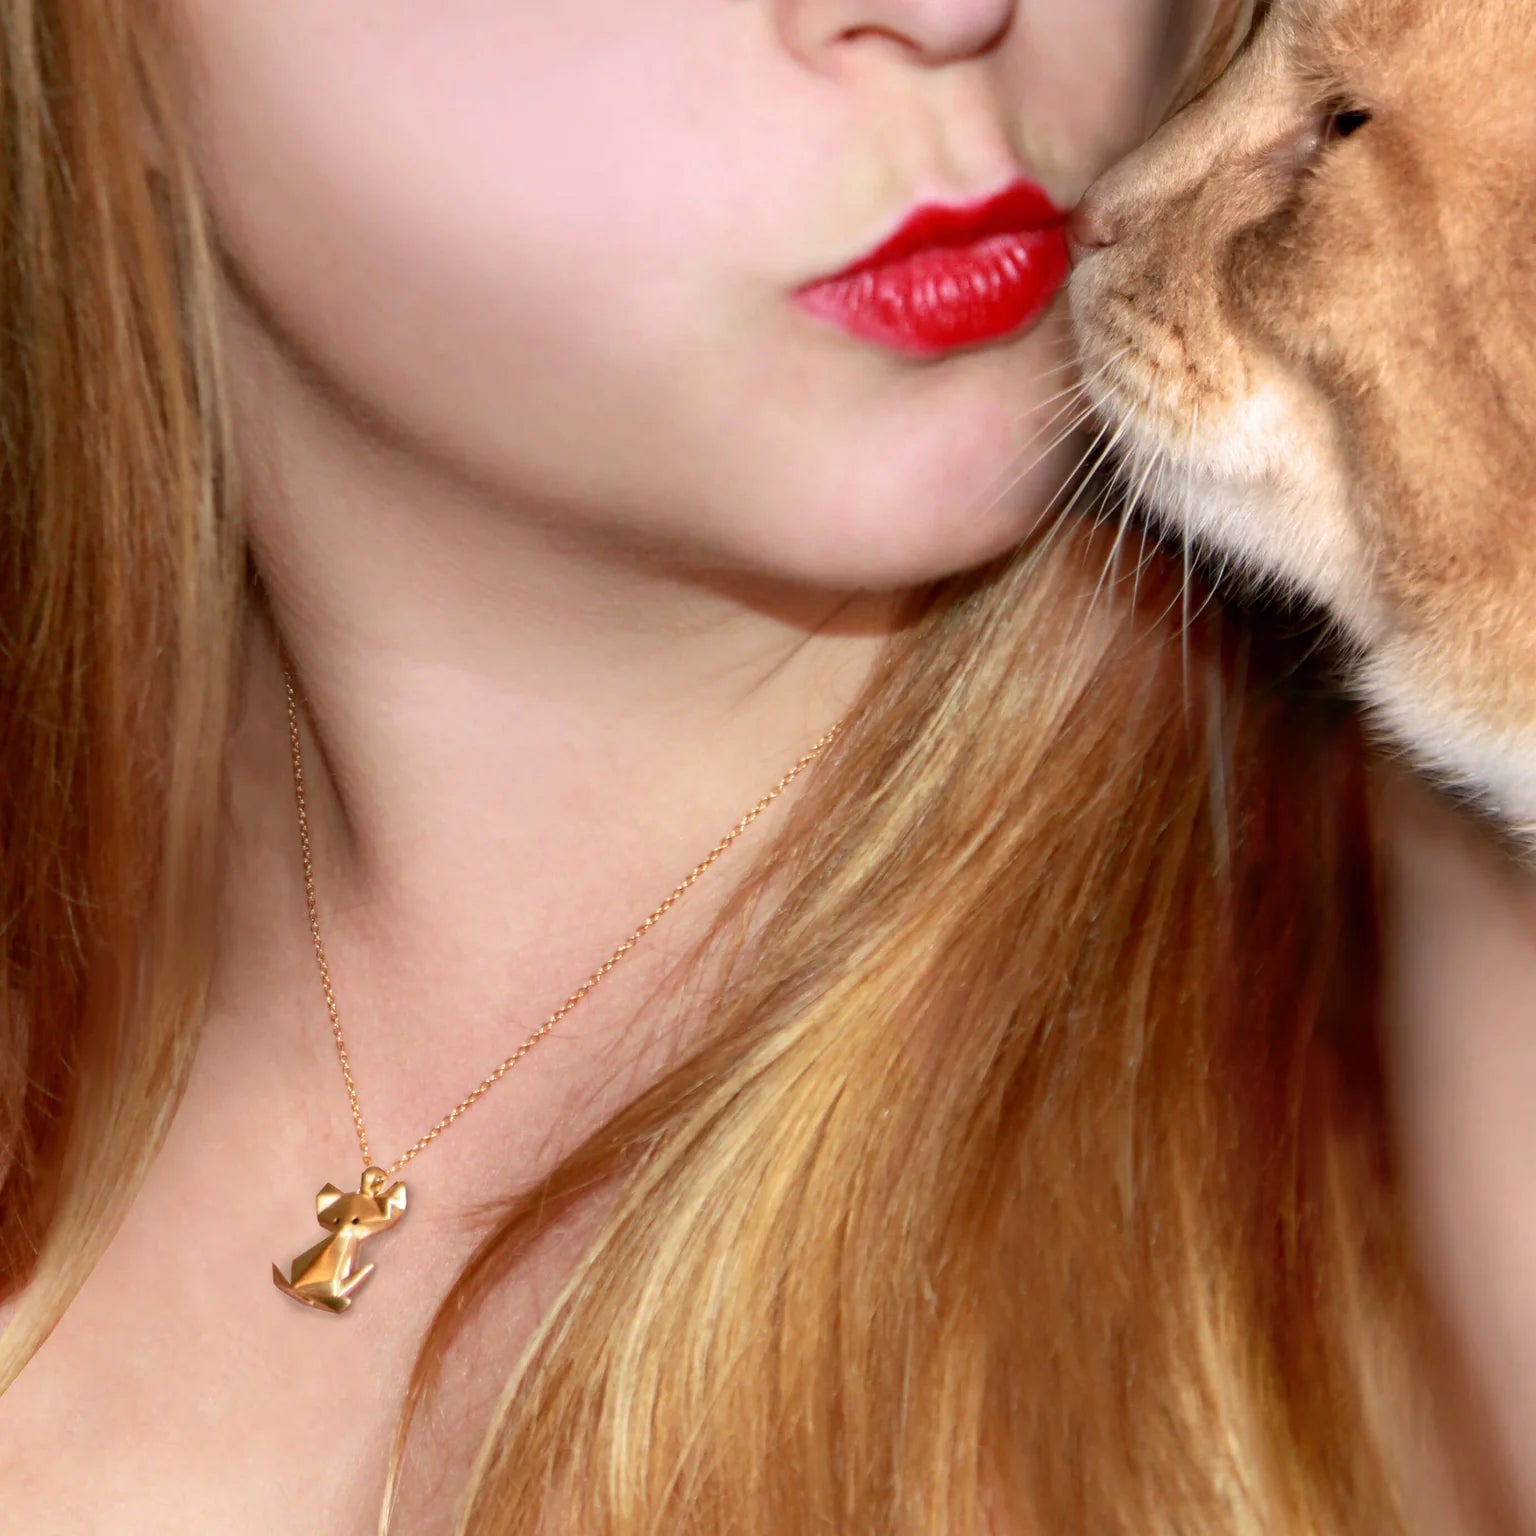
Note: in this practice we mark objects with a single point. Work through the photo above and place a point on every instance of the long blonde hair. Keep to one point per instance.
(1032, 1172)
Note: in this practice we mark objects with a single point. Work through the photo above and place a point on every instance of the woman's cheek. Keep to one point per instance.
(577, 292)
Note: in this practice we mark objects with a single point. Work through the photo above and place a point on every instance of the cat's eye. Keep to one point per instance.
(1342, 121)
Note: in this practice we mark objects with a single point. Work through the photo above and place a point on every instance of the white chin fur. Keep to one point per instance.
(1255, 491)
(1495, 768)
(1251, 488)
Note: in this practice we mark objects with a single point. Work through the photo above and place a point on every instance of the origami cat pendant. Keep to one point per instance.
(328, 1274)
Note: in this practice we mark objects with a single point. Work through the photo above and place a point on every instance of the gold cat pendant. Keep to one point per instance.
(328, 1274)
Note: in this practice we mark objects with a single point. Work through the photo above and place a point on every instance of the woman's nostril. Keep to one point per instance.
(931, 31)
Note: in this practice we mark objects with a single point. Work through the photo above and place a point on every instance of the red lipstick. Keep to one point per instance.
(951, 277)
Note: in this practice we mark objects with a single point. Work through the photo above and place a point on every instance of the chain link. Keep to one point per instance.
(468, 1102)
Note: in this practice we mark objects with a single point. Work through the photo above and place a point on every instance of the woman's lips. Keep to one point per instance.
(951, 276)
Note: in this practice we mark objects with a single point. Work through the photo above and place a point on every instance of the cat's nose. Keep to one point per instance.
(1091, 227)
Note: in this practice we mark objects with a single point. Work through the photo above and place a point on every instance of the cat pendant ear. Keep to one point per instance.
(326, 1199)
(394, 1199)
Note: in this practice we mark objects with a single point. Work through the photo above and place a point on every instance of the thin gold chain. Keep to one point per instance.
(488, 1082)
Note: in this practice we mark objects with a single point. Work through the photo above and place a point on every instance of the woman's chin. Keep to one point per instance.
(908, 499)
(907, 471)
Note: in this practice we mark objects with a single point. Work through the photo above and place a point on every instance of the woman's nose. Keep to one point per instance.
(932, 31)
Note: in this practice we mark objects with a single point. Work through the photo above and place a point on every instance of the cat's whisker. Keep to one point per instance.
(1071, 366)
(1086, 473)
(1108, 489)
(1016, 474)
(1070, 398)
(1078, 480)
(1074, 405)
(1081, 385)
(1130, 501)
(1069, 402)
(1113, 497)
(1145, 522)
(1086, 480)
(1074, 365)
(1077, 409)
(1213, 588)
(1064, 516)
(1184, 617)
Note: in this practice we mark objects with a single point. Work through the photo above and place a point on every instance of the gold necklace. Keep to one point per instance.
(329, 1274)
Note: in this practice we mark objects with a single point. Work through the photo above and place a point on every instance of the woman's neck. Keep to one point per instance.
(517, 734)
(1460, 1058)
(473, 710)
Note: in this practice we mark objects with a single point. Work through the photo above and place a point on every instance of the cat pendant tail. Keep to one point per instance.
(328, 1274)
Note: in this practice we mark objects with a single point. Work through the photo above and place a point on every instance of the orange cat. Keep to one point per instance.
(1309, 307)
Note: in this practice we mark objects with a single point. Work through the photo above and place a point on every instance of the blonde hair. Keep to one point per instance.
(1031, 1174)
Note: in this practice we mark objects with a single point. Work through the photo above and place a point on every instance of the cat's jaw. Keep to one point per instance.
(1491, 766)
(1301, 309)
(1246, 481)
(1235, 469)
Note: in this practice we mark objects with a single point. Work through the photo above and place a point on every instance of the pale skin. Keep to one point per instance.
(1460, 966)
(578, 534)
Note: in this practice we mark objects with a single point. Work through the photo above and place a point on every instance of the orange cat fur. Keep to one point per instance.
(1309, 308)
